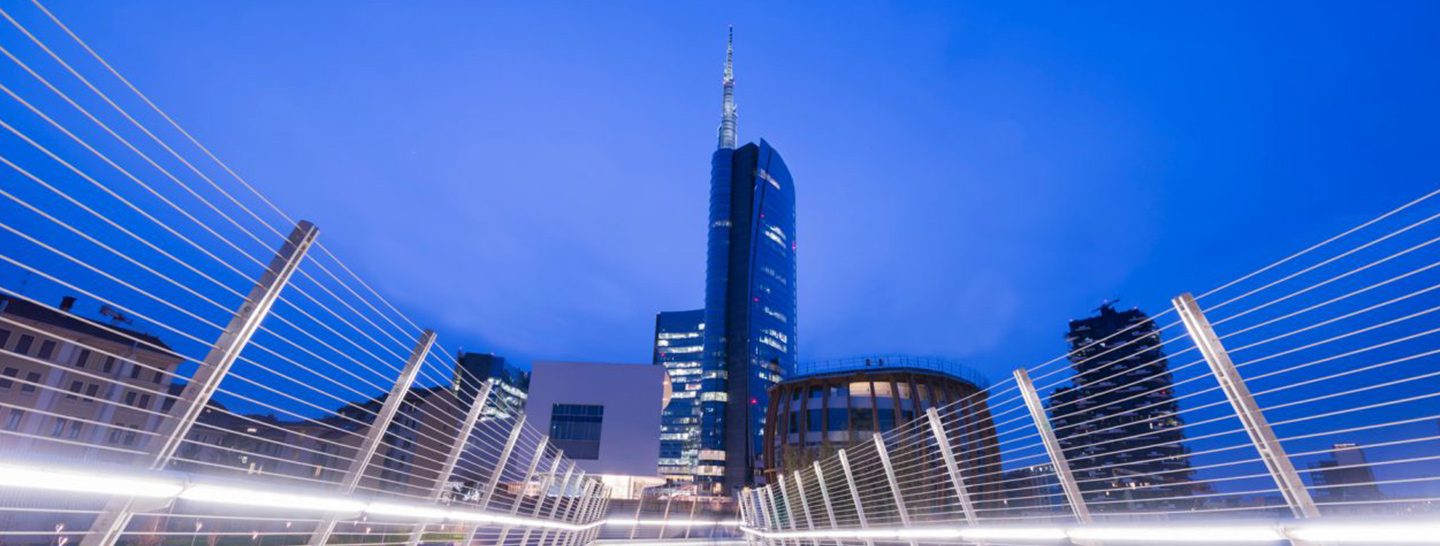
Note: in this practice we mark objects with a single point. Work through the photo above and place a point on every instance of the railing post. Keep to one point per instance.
(453, 458)
(1052, 446)
(559, 500)
(376, 432)
(789, 507)
(553, 507)
(825, 496)
(598, 510)
(639, 503)
(529, 474)
(502, 461)
(804, 504)
(942, 441)
(1238, 393)
(110, 523)
(693, 506)
(665, 518)
(582, 514)
(854, 491)
(539, 500)
(890, 477)
(777, 522)
(570, 507)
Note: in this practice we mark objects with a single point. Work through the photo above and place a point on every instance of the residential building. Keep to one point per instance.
(750, 301)
(1345, 478)
(1117, 420)
(679, 341)
(76, 387)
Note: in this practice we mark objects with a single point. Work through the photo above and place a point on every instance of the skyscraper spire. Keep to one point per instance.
(729, 118)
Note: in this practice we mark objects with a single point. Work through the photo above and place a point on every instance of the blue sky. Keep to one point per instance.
(531, 178)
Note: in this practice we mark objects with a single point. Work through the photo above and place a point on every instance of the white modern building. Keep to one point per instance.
(605, 416)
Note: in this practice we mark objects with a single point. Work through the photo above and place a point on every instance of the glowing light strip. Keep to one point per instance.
(672, 522)
(28, 477)
(1334, 533)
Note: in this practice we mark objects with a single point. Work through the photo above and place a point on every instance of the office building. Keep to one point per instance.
(605, 417)
(1117, 420)
(750, 321)
(509, 385)
(830, 405)
(679, 340)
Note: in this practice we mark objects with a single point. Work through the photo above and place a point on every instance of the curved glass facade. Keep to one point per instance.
(750, 303)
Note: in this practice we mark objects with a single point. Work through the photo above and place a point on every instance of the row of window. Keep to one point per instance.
(47, 347)
(27, 342)
(72, 428)
(9, 375)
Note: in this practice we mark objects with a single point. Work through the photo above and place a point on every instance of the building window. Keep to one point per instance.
(4, 338)
(12, 423)
(90, 391)
(59, 427)
(23, 346)
(47, 350)
(75, 427)
(75, 387)
(130, 398)
(575, 428)
(84, 356)
(144, 401)
(109, 364)
(33, 378)
(5, 376)
(135, 372)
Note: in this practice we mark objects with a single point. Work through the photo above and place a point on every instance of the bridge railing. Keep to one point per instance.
(181, 359)
(1298, 396)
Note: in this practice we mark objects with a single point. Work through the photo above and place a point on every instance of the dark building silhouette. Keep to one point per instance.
(1345, 477)
(510, 386)
(750, 329)
(1117, 421)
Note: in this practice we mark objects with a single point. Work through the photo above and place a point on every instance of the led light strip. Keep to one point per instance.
(671, 522)
(28, 477)
(1334, 533)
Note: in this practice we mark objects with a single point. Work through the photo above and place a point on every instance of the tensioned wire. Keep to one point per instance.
(1266, 341)
(142, 240)
(1337, 277)
(1323, 303)
(110, 249)
(235, 175)
(105, 158)
(117, 280)
(272, 408)
(133, 149)
(161, 300)
(110, 192)
(1249, 379)
(1331, 259)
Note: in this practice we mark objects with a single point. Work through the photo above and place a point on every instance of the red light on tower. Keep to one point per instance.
(754, 401)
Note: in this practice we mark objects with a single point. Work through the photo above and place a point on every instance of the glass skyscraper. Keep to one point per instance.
(749, 341)
(679, 341)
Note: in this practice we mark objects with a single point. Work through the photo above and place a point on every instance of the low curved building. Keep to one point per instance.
(826, 406)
